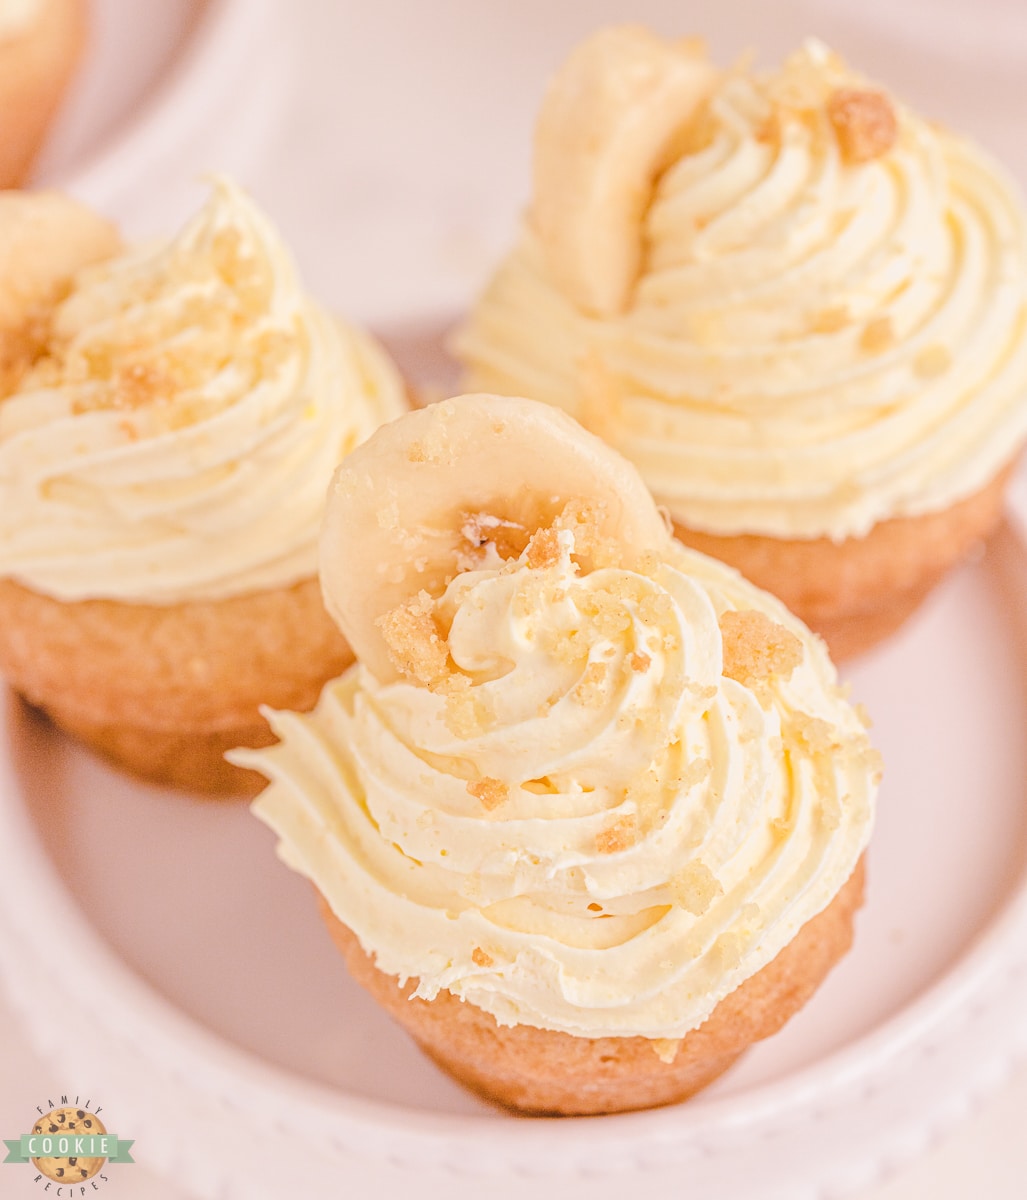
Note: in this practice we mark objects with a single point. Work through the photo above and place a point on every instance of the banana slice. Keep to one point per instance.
(410, 507)
(45, 238)
(607, 123)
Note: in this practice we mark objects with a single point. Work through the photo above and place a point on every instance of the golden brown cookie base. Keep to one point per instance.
(856, 592)
(35, 69)
(164, 690)
(540, 1071)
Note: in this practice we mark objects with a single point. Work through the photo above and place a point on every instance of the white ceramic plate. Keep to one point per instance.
(157, 948)
(161, 956)
(168, 89)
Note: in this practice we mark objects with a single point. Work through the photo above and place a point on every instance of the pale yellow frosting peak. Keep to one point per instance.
(827, 326)
(176, 440)
(625, 794)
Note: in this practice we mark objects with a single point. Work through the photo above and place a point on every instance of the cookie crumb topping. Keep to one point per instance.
(544, 549)
(820, 737)
(606, 612)
(817, 735)
(695, 887)
(490, 792)
(415, 647)
(756, 648)
(583, 520)
(622, 834)
(864, 122)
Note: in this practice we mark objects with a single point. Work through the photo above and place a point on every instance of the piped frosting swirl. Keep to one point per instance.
(175, 439)
(596, 799)
(828, 325)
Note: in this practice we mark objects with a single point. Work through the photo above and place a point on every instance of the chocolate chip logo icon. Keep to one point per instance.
(68, 1144)
(72, 1124)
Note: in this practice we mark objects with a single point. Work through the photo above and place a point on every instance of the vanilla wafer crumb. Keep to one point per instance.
(607, 614)
(584, 520)
(816, 734)
(544, 549)
(415, 648)
(489, 791)
(756, 648)
(618, 836)
(568, 648)
(864, 122)
(693, 772)
(695, 887)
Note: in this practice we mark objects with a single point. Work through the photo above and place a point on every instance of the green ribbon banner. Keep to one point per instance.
(68, 1145)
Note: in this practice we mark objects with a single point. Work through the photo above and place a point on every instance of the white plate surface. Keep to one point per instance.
(157, 950)
(167, 90)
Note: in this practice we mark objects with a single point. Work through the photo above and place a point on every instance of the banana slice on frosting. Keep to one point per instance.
(608, 123)
(461, 497)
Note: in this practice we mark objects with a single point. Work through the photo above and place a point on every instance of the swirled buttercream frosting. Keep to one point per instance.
(595, 801)
(800, 312)
(175, 438)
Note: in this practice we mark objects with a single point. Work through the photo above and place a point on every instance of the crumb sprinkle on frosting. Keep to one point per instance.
(757, 649)
(864, 122)
(174, 413)
(741, 310)
(588, 737)
(416, 648)
(491, 792)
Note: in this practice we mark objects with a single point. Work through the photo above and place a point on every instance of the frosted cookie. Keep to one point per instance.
(170, 419)
(588, 815)
(797, 306)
